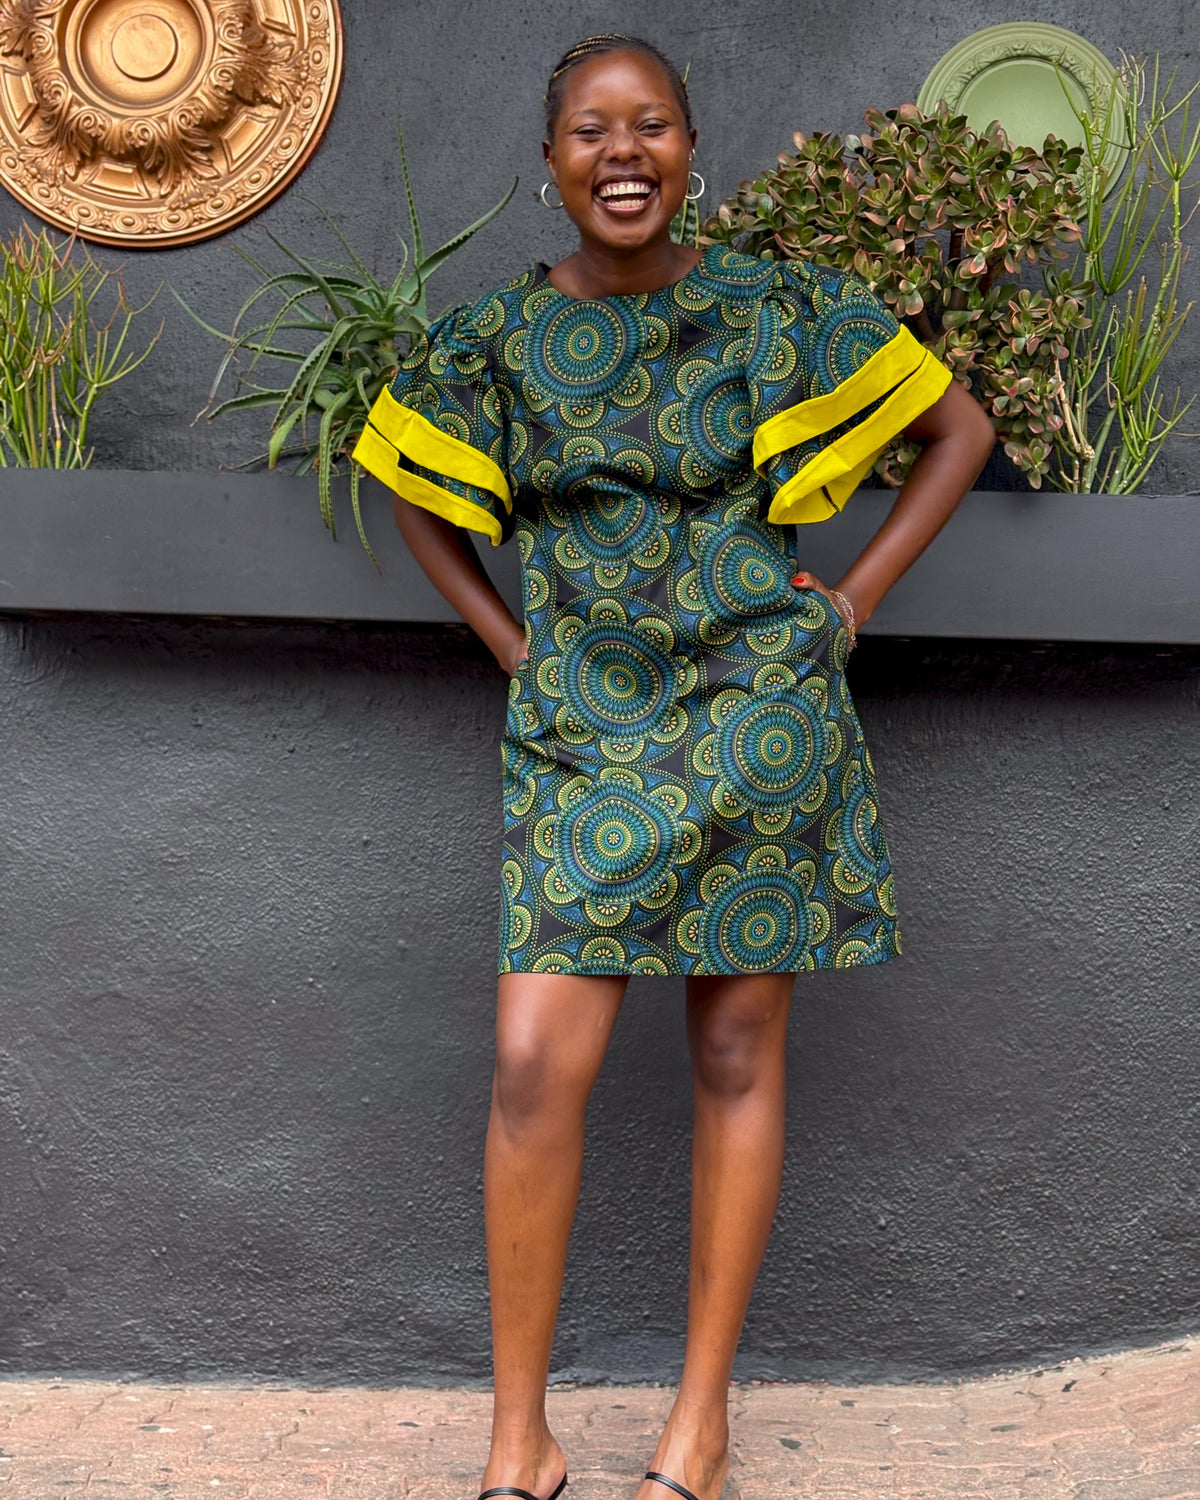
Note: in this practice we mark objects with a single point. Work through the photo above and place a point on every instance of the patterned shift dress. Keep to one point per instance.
(686, 785)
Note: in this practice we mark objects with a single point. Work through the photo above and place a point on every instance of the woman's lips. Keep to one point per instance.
(627, 206)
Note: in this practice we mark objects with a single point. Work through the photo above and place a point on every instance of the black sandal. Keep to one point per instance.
(681, 1489)
(511, 1489)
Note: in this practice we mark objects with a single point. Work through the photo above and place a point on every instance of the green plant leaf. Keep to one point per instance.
(414, 221)
(345, 323)
(65, 323)
(941, 221)
(426, 267)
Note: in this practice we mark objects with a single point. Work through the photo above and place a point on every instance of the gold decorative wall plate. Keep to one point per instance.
(159, 122)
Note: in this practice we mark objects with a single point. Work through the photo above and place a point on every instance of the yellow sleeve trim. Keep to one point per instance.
(381, 459)
(417, 437)
(830, 477)
(898, 358)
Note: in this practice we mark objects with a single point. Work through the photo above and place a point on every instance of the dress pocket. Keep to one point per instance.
(524, 723)
(517, 673)
(518, 695)
(742, 576)
(833, 614)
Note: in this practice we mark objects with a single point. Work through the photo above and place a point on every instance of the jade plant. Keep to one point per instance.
(65, 323)
(340, 330)
(1115, 415)
(939, 221)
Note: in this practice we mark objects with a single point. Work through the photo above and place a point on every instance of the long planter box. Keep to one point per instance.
(1006, 566)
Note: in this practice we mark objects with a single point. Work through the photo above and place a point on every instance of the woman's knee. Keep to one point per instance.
(551, 1035)
(740, 1048)
(529, 1080)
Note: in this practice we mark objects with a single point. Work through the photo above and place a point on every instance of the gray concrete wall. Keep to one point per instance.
(247, 944)
(247, 992)
(468, 80)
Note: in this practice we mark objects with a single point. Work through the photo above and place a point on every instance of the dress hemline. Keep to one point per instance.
(885, 956)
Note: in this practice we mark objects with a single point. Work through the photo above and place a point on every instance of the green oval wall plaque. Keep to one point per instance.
(1007, 73)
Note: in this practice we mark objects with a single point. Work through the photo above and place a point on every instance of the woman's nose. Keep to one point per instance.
(624, 144)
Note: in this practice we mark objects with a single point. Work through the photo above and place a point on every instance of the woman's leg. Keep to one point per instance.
(552, 1031)
(737, 1030)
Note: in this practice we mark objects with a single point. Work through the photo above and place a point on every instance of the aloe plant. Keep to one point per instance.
(934, 217)
(685, 226)
(1115, 416)
(346, 324)
(59, 350)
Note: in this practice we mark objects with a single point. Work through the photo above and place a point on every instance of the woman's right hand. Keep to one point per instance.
(516, 655)
(447, 557)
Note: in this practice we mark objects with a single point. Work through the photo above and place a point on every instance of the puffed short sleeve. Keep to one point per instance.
(436, 435)
(833, 376)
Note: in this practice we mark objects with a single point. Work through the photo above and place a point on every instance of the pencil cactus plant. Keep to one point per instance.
(1116, 416)
(940, 222)
(64, 341)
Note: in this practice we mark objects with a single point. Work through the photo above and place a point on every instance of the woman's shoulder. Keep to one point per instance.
(463, 333)
(815, 284)
(732, 275)
(482, 318)
(802, 292)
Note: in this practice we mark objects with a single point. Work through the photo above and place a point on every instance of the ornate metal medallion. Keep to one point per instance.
(160, 122)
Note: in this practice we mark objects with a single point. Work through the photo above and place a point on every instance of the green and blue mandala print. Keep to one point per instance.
(687, 789)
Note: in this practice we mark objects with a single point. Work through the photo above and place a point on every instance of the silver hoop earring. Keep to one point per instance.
(546, 201)
(699, 193)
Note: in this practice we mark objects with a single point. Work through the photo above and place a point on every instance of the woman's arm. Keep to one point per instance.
(448, 559)
(958, 437)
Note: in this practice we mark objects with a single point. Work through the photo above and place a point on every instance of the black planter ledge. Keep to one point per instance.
(1007, 566)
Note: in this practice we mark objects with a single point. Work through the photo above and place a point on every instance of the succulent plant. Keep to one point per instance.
(935, 219)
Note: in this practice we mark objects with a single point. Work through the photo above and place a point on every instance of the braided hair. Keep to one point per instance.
(597, 46)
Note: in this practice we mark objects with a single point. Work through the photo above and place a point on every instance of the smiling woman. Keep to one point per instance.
(687, 787)
(591, 91)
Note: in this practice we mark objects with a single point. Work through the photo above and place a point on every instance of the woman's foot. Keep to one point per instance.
(693, 1451)
(536, 1467)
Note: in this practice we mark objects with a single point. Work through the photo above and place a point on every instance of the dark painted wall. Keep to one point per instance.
(246, 971)
(468, 80)
(249, 896)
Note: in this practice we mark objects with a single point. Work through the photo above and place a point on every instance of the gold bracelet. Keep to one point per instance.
(849, 610)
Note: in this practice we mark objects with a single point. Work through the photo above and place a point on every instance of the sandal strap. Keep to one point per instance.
(512, 1489)
(675, 1485)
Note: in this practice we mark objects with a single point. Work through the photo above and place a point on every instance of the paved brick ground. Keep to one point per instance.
(1125, 1427)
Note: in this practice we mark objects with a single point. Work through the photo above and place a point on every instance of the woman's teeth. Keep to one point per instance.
(625, 197)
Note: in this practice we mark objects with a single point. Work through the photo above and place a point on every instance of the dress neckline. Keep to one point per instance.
(542, 276)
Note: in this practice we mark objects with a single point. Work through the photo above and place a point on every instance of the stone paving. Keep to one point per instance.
(1121, 1427)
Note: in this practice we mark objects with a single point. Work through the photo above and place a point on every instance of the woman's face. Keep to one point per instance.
(621, 148)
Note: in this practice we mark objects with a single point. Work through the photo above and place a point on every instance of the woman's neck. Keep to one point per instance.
(597, 270)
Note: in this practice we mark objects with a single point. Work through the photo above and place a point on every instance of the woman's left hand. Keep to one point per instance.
(811, 581)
